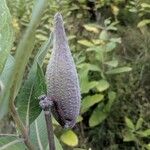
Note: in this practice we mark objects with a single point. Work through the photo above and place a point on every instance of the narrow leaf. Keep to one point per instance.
(119, 70)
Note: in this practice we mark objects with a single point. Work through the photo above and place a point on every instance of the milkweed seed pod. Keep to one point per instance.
(62, 79)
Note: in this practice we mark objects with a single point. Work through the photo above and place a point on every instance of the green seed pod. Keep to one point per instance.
(62, 79)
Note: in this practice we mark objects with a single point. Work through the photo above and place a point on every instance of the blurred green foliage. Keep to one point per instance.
(110, 43)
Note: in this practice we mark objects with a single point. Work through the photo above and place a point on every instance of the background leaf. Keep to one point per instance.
(11, 143)
(69, 138)
(6, 33)
(89, 101)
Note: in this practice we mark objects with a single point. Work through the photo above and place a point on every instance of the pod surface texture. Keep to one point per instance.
(62, 79)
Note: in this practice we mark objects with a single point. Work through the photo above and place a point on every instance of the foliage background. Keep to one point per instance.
(110, 43)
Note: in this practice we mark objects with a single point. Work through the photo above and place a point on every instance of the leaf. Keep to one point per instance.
(85, 84)
(113, 63)
(38, 134)
(139, 123)
(89, 101)
(129, 123)
(129, 136)
(119, 70)
(79, 119)
(143, 23)
(97, 117)
(5, 80)
(24, 51)
(102, 85)
(101, 112)
(11, 143)
(145, 5)
(69, 138)
(145, 133)
(110, 46)
(6, 33)
(91, 27)
(86, 43)
(104, 35)
(27, 101)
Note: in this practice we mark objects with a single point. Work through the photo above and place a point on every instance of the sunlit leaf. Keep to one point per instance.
(139, 123)
(89, 101)
(129, 123)
(112, 63)
(110, 46)
(79, 119)
(102, 85)
(91, 27)
(143, 23)
(86, 43)
(104, 35)
(69, 138)
(119, 70)
(144, 133)
(129, 136)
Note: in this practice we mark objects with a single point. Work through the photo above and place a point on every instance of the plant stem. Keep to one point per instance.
(49, 126)
(46, 105)
(21, 127)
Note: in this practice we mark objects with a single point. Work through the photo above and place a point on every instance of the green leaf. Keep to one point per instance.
(104, 35)
(112, 63)
(69, 138)
(79, 119)
(102, 85)
(38, 134)
(102, 111)
(110, 46)
(86, 43)
(97, 117)
(145, 133)
(91, 27)
(111, 97)
(129, 123)
(27, 102)
(143, 23)
(6, 33)
(85, 84)
(129, 136)
(11, 143)
(89, 101)
(139, 123)
(119, 70)
(23, 53)
(4, 77)
(145, 5)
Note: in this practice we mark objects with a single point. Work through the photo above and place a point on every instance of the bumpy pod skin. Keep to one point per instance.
(62, 79)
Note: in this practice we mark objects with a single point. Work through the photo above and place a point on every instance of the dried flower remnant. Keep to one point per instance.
(62, 79)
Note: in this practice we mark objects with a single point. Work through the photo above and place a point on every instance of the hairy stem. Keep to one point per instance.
(21, 127)
(49, 126)
(46, 104)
